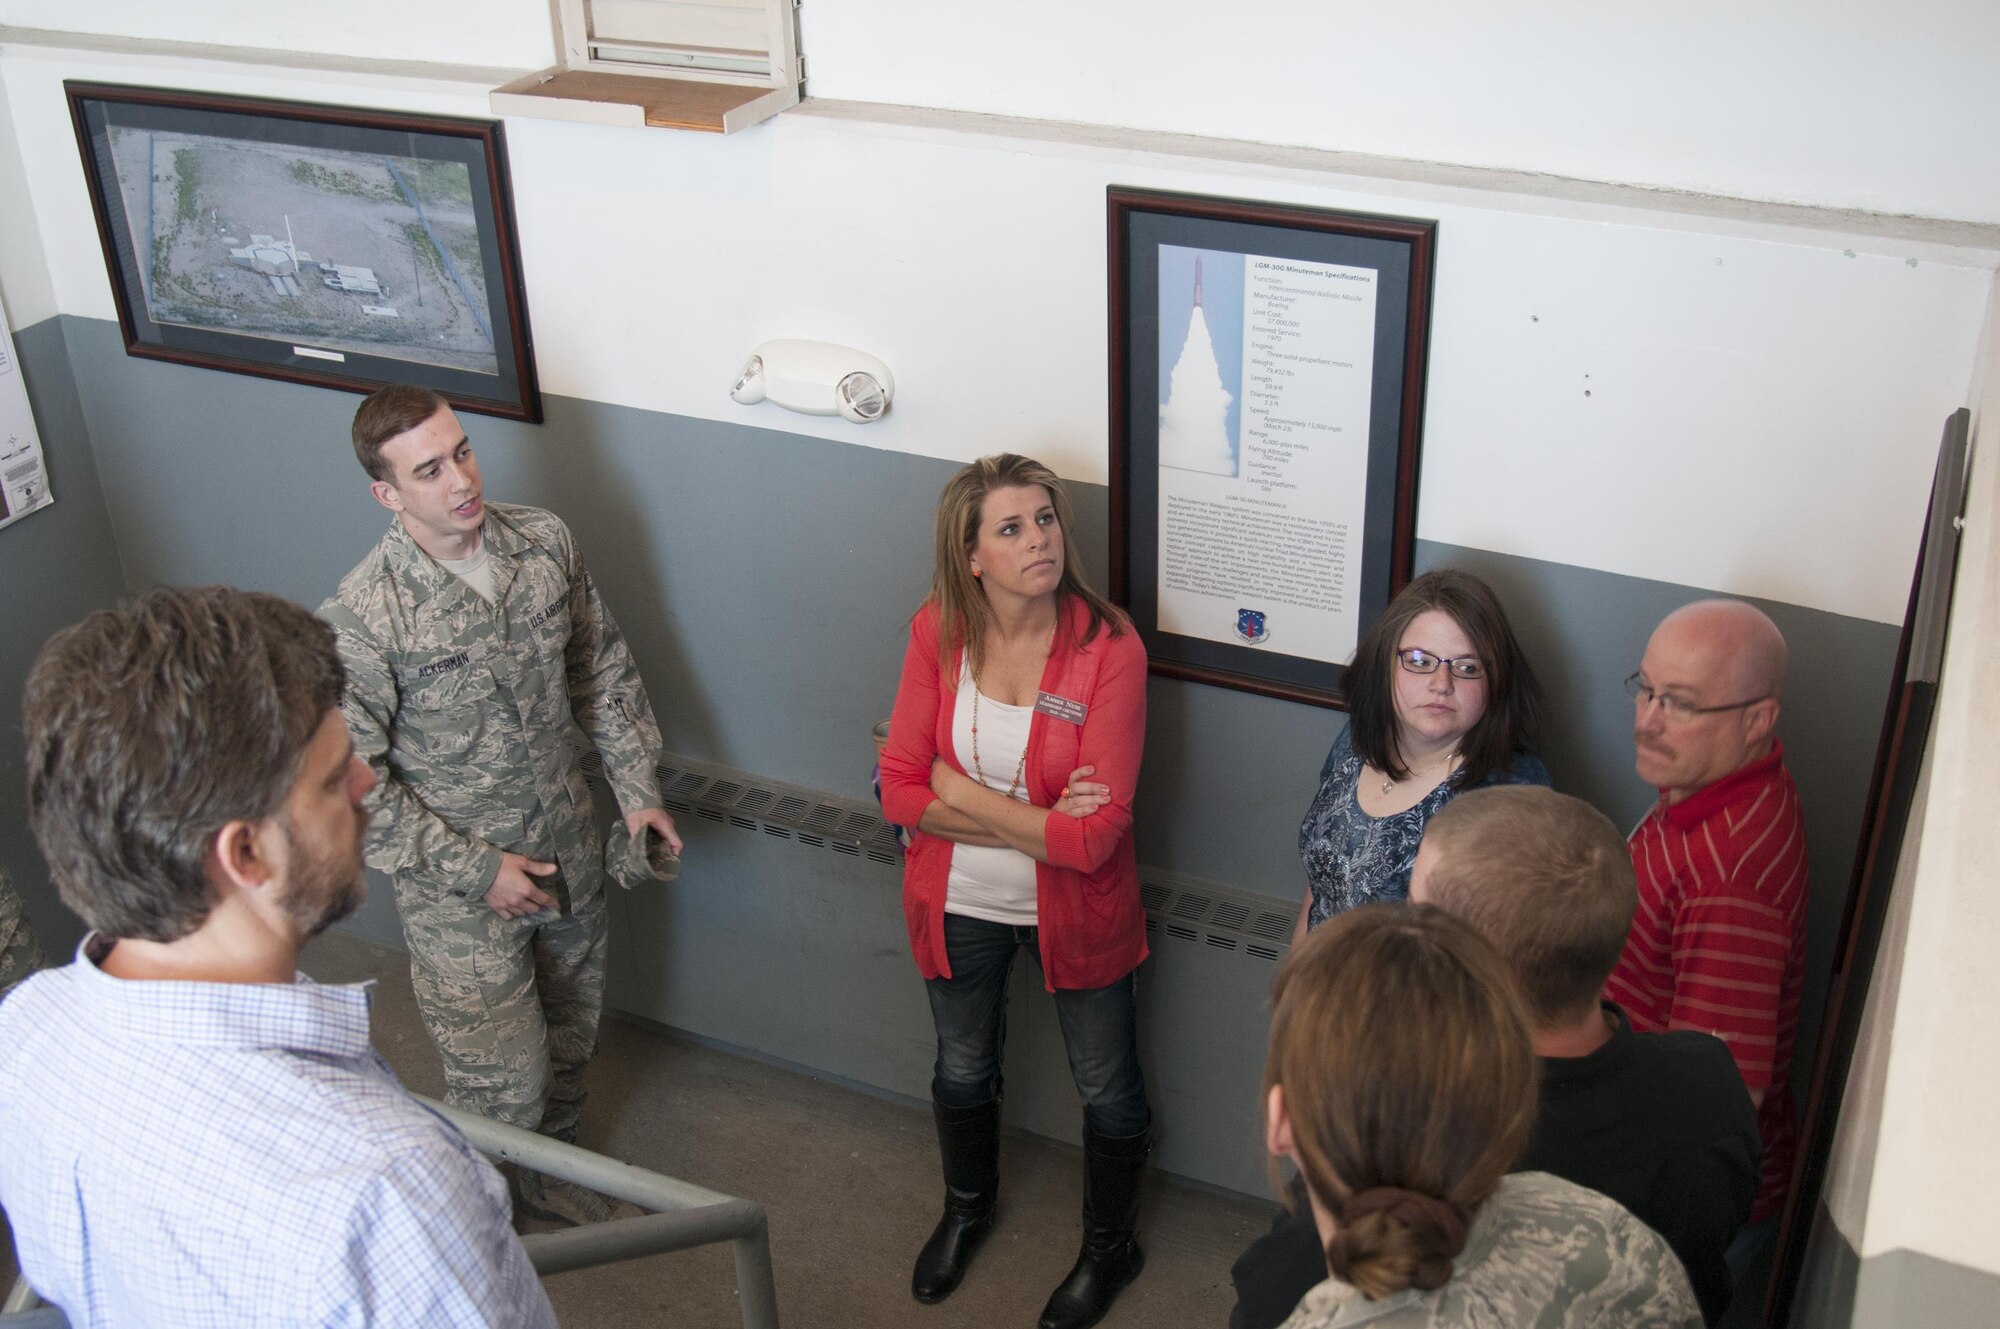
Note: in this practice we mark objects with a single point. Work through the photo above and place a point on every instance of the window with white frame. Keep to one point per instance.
(751, 42)
(714, 65)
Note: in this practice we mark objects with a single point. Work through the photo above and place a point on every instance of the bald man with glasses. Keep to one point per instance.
(1718, 943)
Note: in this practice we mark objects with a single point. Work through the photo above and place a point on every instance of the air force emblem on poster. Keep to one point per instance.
(1250, 625)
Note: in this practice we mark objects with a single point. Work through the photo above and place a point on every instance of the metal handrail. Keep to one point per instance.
(687, 1215)
(24, 1310)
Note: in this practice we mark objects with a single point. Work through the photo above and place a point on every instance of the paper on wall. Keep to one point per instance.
(1265, 409)
(24, 479)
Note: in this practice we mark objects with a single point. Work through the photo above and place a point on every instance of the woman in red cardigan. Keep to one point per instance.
(1019, 682)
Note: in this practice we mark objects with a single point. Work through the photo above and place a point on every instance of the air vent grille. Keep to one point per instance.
(1185, 909)
(1278, 927)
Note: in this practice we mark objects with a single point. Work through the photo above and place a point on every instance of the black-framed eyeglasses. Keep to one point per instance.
(1673, 707)
(1423, 662)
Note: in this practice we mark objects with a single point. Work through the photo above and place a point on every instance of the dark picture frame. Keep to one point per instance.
(335, 246)
(1892, 791)
(1151, 237)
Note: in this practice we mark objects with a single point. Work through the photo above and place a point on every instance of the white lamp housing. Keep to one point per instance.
(817, 378)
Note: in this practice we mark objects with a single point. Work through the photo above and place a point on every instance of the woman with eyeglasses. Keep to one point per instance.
(1440, 700)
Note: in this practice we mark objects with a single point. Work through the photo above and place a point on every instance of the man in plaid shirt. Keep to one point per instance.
(196, 1134)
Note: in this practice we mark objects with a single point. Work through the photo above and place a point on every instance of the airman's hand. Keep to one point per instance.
(513, 893)
(657, 818)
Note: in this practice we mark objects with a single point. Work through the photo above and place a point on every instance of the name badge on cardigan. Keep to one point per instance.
(1061, 708)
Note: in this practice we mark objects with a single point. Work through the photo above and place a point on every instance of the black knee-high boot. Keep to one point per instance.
(1111, 1258)
(969, 1141)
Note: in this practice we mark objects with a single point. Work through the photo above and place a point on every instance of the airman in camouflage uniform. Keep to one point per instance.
(19, 955)
(1541, 1251)
(473, 714)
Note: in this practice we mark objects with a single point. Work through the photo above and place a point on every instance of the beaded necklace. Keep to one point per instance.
(1020, 767)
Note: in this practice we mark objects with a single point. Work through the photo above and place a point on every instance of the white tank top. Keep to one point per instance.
(997, 885)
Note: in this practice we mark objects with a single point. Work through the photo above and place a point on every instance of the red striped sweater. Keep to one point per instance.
(1718, 943)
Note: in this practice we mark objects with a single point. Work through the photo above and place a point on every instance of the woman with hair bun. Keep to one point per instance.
(1401, 1081)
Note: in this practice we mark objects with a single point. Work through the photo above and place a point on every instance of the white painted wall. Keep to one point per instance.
(1878, 104)
(24, 271)
(1936, 1167)
(513, 33)
(1755, 392)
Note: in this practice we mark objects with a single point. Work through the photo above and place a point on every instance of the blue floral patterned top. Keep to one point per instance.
(1352, 858)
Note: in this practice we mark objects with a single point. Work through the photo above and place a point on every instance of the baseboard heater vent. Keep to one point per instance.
(1257, 927)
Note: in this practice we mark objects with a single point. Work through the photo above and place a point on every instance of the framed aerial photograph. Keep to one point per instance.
(1267, 392)
(321, 244)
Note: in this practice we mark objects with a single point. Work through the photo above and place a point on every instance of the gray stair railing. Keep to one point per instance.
(687, 1215)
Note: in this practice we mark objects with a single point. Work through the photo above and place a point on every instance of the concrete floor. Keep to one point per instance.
(850, 1182)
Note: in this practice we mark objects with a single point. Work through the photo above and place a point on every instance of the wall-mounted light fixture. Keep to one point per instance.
(817, 378)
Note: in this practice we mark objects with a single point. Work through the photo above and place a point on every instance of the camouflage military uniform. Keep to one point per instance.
(1542, 1251)
(473, 714)
(19, 955)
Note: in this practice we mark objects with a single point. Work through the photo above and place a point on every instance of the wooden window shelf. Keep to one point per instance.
(596, 97)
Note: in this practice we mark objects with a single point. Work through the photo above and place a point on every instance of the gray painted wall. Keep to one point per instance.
(1892, 1290)
(801, 954)
(55, 566)
(765, 580)
(1900, 1288)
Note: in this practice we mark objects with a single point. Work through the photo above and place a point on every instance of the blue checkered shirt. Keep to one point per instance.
(236, 1154)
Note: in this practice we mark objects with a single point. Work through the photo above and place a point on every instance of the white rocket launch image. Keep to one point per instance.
(1194, 421)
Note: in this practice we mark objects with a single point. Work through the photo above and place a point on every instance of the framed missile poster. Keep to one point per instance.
(331, 245)
(1267, 391)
